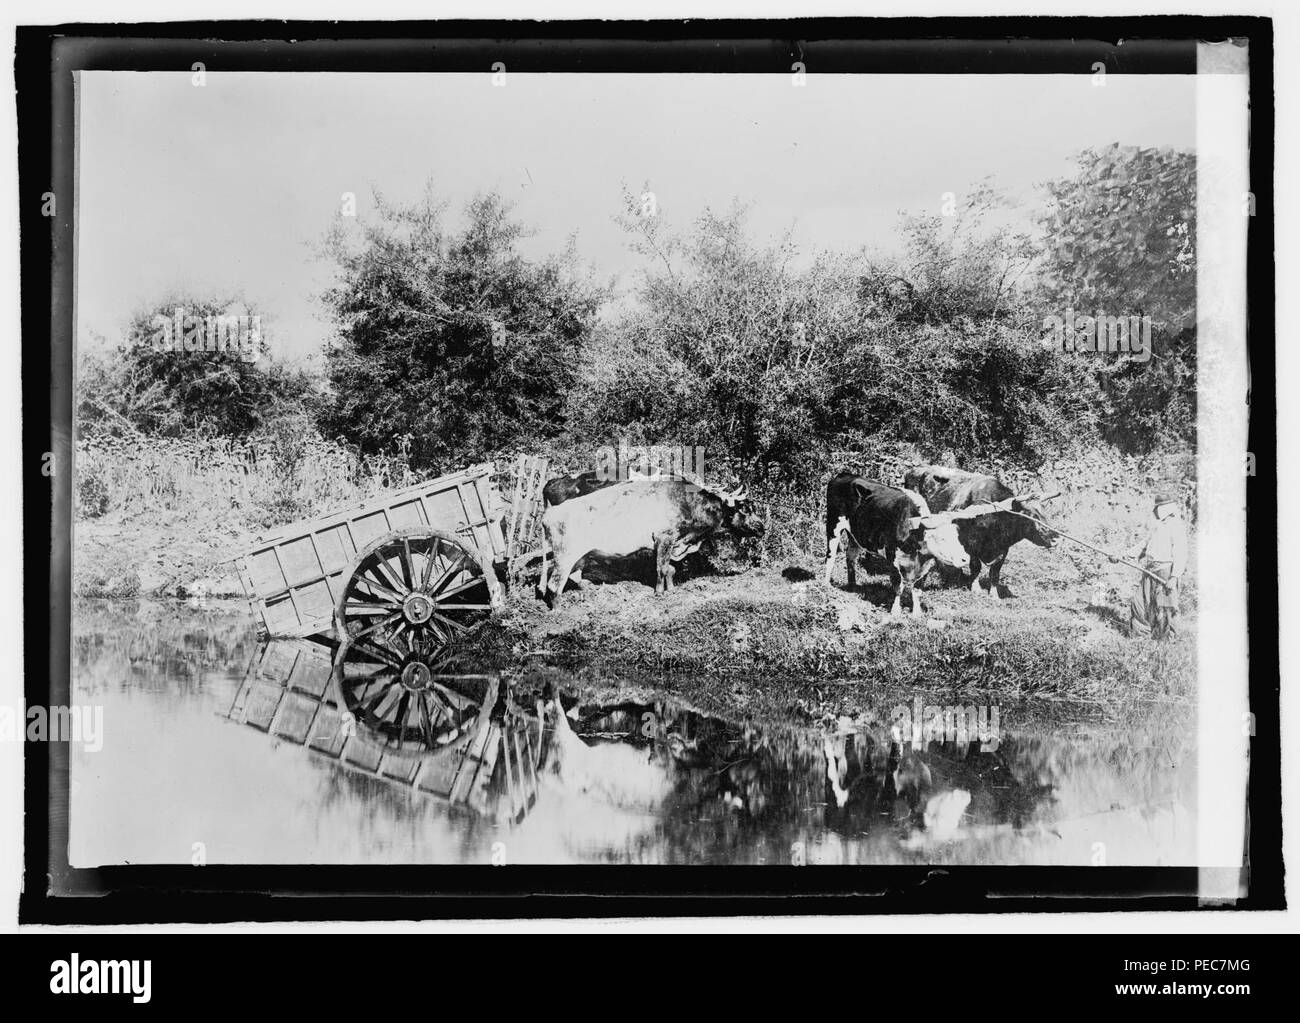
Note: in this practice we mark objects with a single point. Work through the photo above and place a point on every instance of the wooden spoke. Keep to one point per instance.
(408, 570)
(456, 627)
(453, 569)
(379, 589)
(377, 700)
(448, 594)
(385, 623)
(429, 558)
(385, 574)
(357, 610)
(403, 707)
(427, 734)
(375, 653)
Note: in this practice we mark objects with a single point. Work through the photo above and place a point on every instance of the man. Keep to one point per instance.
(1164, 554)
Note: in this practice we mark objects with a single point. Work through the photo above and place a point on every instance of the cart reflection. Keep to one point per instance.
(461, 738)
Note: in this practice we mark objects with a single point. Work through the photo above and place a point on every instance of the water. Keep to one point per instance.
(222, 749)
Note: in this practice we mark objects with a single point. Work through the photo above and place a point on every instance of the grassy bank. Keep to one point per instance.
(770, 642)
(164, 516)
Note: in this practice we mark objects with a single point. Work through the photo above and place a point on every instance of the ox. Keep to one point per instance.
(565, 488)
(927, 479)
(862, 514)
(672, 517)
(987, 538)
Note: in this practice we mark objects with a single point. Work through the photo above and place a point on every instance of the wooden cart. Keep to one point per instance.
(392, 586)
(418, 561)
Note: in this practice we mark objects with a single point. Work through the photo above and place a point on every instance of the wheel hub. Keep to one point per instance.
(417, 675)
(417, 608)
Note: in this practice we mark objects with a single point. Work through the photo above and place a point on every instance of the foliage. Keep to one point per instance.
(770, 360)
(450, 337)
(265, 480)
(147, 387)
(1120, 238)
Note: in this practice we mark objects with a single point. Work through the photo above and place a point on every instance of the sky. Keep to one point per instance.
(228, 187)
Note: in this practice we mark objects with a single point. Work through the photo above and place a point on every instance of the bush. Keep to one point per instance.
(450, 338)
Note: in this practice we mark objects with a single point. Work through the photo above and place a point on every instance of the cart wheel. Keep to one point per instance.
(415, 593)
(401, 700)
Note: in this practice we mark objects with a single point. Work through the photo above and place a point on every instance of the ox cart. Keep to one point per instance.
(393, 585)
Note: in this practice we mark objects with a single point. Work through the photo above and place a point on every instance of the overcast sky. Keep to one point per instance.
(225, 188)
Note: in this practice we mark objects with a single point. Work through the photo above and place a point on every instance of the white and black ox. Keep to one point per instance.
(862, 514)
(670, 516)
(988, 538)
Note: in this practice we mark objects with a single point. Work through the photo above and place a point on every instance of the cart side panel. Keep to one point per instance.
(295, 574)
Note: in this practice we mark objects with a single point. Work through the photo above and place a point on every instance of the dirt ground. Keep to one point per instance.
(158, 554)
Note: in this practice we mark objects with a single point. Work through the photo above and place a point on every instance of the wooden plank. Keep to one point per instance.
(512, 536)
(535, 504)
(383, 501)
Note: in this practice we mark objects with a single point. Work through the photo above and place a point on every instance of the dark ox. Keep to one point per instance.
(565, 488)
(863, 514)
(672, 517)
(988, 538)
(927, 479)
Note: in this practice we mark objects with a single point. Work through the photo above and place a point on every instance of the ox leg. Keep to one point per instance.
(918, 609)
(832, 549)
(995, 573)
(664, 571)
(836, 536)
(564, 563)
(896, 578)
(907, 579)
(541, 583)
(851, 554)
(975, 567)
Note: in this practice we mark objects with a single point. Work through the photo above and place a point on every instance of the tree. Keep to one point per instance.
(765, 362)
(1120, 239)
(961, 265)
(189, 365)
(450, 337)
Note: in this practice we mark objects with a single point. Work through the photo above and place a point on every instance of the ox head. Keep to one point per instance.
(739, 514)
(940, 541)
(1036, 532)
(938, 535)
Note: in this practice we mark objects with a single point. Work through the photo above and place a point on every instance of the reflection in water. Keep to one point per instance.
(328, 769)
(474, 746)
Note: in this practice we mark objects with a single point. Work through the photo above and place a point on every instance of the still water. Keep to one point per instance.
(220, 748)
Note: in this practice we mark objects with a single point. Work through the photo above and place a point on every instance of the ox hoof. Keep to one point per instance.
(993, 592)
(975, 586)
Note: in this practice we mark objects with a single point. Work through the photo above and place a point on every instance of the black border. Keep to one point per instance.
(45, 56)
